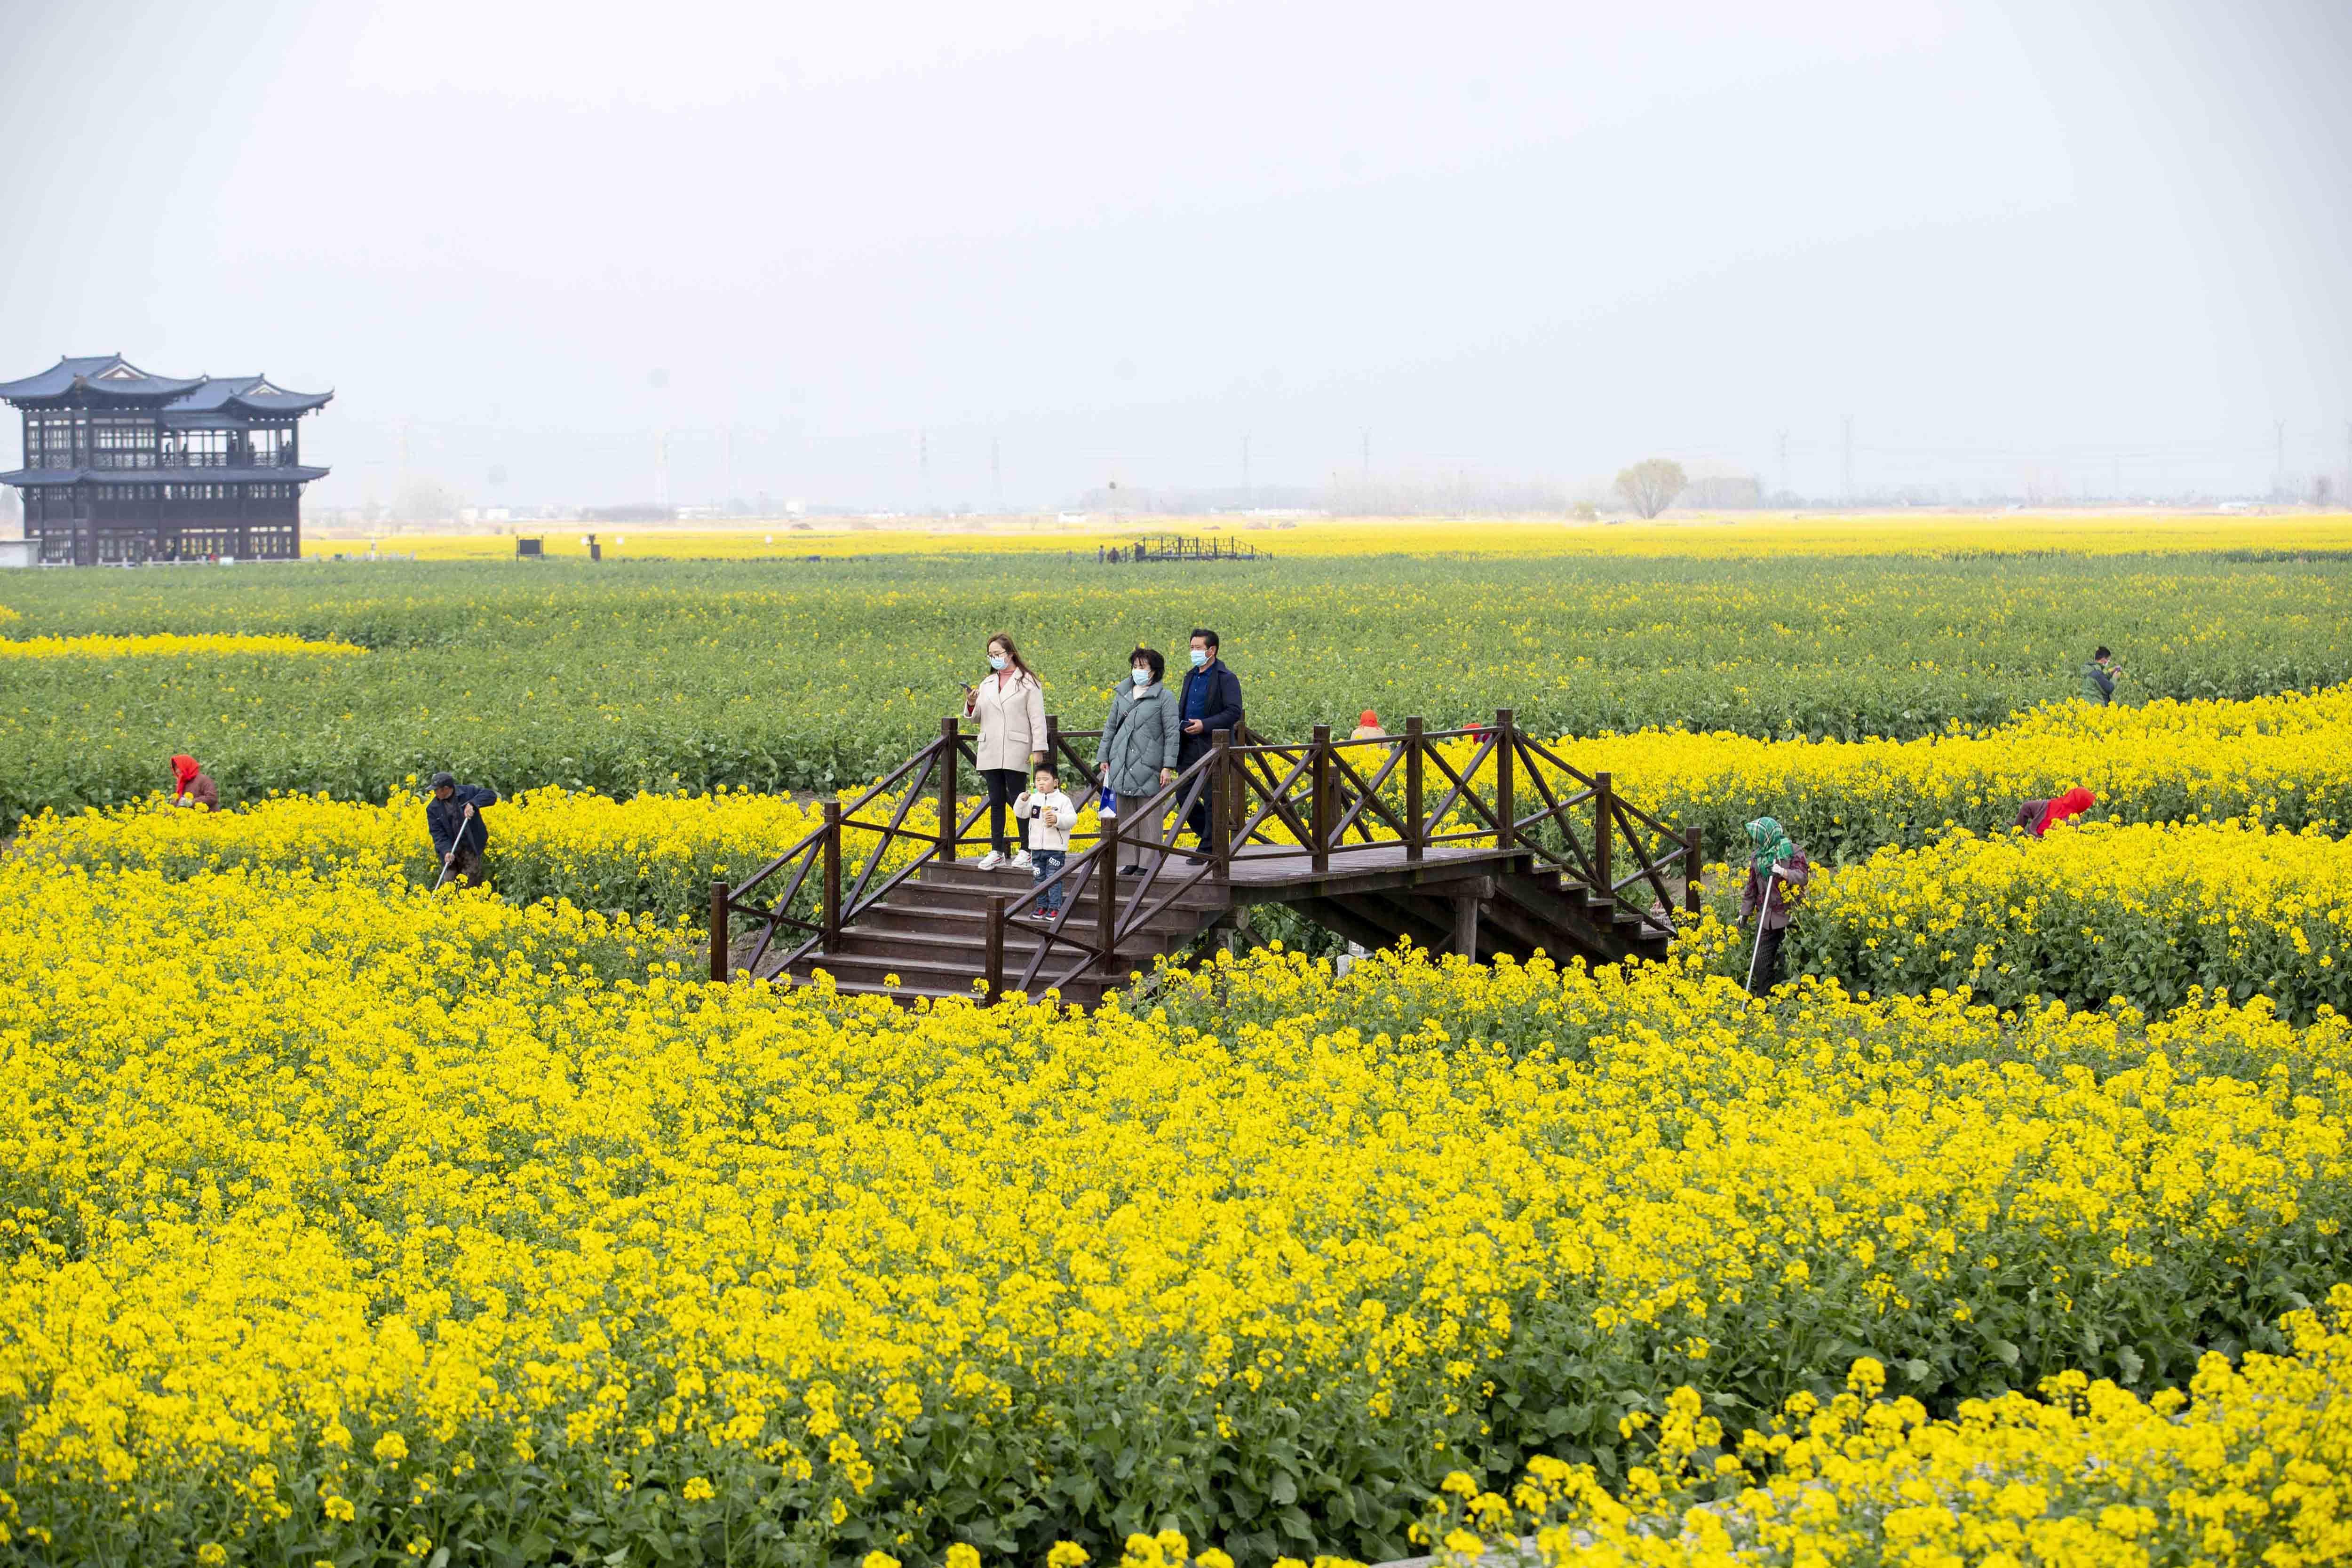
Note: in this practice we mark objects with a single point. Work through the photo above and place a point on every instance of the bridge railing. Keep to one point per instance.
(1287, 808)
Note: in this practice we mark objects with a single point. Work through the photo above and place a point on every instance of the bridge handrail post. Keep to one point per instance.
(951, 753)
(1506, 807)
(829, 930)
(995, 970)
(1603, 829)
(1319, 804)
(1693, 867)
(1416, 832)
(719, 893)
(1107, 895)
(1220, 785)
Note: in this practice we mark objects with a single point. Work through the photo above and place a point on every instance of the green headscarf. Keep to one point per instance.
(1771, 843)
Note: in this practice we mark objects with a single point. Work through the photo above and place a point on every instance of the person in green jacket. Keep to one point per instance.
(2099, 677)
(1139, 742)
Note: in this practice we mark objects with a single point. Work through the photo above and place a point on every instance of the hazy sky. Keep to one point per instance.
(2046, 242)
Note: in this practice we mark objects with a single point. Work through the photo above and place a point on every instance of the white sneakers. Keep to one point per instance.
(1021, 861)
(992, 860)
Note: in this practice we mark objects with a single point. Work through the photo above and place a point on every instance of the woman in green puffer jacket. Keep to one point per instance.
(1139, 754)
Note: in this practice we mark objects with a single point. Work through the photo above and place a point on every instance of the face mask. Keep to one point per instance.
(997, 661)
(1140, 677)
(1199, 658)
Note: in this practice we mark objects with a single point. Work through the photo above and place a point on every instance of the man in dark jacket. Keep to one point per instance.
(1210, 701)
(453, 817)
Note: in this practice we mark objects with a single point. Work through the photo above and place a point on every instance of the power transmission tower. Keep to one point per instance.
(923, 466)
(661, 468)
(1784, 465)
(2278, 465)
(727, 462)
(1849, 460)
(995, 474)
(1367, 470)
(1249, 494)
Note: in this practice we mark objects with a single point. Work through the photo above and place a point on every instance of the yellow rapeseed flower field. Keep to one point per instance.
(653, 854)
(1726, 535)
(166, 644)
(2251, 1464)
(2150, 912)
(341, 1215)
(2286, 760)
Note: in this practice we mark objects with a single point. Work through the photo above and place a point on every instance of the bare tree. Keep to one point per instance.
(1652, 484)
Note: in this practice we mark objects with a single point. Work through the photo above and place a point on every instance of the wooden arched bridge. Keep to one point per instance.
(1480, 841)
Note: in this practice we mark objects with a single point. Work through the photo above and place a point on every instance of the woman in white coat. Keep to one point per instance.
(1010, 704)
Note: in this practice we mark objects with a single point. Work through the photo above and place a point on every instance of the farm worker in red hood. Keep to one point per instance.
(1367, 728)
(2074, 803)
(191, 787)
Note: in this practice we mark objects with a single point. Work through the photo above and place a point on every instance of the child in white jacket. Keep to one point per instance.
(1049, 814)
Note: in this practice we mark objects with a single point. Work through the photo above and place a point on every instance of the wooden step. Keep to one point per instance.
(957, 979)
(930, 947)
(1084, 992)
(1204, 895)
(958, 916)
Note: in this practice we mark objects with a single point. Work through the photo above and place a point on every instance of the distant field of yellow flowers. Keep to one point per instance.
(1726, 535)
(165, 644)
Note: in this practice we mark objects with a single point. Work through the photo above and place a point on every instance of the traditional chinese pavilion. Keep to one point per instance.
(121, 466)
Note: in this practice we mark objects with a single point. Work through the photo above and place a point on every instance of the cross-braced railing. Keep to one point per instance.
(1290, 811)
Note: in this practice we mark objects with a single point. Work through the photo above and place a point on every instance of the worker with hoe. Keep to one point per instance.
(1777, 873)
(453, 817)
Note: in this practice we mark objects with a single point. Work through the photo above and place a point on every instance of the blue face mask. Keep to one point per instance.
(997, 661)
(1199, 658)
(1140, 677)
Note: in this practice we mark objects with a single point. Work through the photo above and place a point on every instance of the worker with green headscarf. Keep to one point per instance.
(1777, 873)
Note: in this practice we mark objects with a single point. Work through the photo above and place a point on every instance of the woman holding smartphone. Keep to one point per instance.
(1010, 703)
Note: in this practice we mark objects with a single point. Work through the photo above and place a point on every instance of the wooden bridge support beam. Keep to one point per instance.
(1322, 810)
(1225, 801)
(1466, 903)
(719, 893)
(1106, 896)
(951, 753)
(1415, 830)
(1693, 867)
(992, 977)
(1506, 807)
(829, 931)
(1466, 927)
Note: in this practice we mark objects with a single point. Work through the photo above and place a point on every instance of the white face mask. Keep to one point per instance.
(1199, 658)
(997, 661)
(1140, 677)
